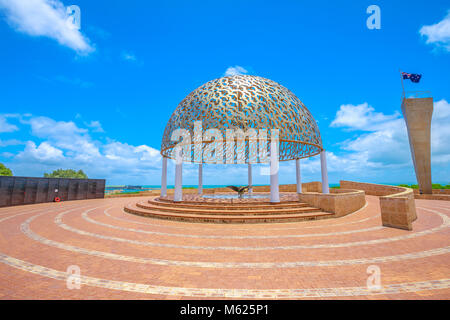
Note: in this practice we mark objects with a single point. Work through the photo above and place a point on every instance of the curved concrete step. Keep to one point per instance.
(226, 206)
(190, 202)
(220, 211)
(266, 218)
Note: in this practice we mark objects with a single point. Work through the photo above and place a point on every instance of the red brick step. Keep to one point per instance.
(228, 218)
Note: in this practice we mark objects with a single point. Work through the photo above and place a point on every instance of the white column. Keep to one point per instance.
(274, 187)
(200, 178)
(178, 194)
(297, 171)
(323, 165)
(164, 177)
(250, 183)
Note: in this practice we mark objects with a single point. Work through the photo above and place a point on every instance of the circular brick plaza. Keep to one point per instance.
(124, 256)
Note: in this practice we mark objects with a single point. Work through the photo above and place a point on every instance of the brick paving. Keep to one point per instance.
(124, 256)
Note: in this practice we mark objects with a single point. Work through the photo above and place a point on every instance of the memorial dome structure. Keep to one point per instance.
(246, 102)
(241, 119)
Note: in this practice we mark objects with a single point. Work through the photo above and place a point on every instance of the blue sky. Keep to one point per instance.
(98, 98)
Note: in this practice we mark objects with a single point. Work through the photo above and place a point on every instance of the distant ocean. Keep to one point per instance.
(127, 189)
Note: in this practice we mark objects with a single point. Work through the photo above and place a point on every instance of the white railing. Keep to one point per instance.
(416, 94)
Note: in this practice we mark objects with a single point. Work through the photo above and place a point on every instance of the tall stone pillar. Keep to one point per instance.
(200, 179)
(417, 113)
(324, 169)
(274, 166)
(178, 192)
(164, 177)
(297, 174)
(250, 180)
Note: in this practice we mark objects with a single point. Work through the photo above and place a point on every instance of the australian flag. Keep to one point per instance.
(412, 76)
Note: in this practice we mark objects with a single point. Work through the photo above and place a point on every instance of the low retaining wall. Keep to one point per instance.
(314, 186)
(434, 196)
(29, 190)
(148, 193)
(438, 194)
(339, 201)
(398, 209)
(436, 191)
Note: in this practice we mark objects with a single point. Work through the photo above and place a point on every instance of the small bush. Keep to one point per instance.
(69, 173)
(434, 186)
(4, 171)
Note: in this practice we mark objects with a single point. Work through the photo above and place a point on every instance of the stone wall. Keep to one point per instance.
(372, 189)
(339, 201)
(398, 209)
(434, 196)
(148, 193)
(438, 194)
(314, 186)
(435, 191)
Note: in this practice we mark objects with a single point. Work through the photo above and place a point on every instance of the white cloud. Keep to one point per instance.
(63, 144)
(96, 126)
(128, 56)
(65, 135)
(361, 117)
(131, 58)
(44, 127)
(441, 110)
(46, 18)
(5, 126)
(7, 154)
(45, 152)
(10, 142)
(438, 33)
(384, 142)
(139, 157)
(440, 132)
(147, 153)
(232, 71)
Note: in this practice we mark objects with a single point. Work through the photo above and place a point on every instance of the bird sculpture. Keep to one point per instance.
(239, 190)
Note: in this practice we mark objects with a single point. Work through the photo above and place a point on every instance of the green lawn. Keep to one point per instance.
(434, 186)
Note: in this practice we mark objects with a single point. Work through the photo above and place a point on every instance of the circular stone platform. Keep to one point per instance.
(195, 208)
(124, 256)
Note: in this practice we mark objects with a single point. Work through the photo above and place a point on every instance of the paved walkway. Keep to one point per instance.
(123, 256)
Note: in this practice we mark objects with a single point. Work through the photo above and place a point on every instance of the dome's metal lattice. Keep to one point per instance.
(244, 102)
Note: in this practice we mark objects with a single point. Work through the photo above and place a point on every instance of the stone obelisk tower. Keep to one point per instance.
(417, 113)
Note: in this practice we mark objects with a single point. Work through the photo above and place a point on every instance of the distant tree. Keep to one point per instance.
(69, 173)
(4, 171)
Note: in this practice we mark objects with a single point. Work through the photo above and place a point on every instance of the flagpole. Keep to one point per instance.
(401, 78)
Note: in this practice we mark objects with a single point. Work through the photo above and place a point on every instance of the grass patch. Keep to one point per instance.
(434, 186)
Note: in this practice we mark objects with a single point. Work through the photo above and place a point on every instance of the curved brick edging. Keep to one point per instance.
(398, 209)
(341, 202)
